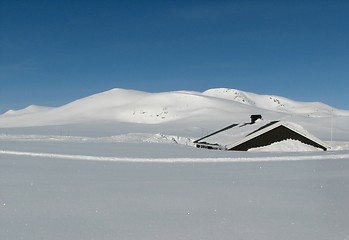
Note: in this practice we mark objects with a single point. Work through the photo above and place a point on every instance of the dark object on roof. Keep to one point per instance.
(242, 137)
(254, 118)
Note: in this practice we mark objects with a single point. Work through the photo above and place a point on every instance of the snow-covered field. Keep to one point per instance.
(121, 165)
(53, 198)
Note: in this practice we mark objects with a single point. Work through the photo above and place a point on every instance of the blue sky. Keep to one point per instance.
(53, 52)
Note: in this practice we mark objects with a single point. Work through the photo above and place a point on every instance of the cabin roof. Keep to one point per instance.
(236, 134)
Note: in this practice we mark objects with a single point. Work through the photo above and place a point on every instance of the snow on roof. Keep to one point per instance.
(233, 134)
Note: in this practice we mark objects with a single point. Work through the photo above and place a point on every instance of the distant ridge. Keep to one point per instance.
(130, 106)
(272, 102)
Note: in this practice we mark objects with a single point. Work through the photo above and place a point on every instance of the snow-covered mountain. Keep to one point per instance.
(121, 105)
(274, 103)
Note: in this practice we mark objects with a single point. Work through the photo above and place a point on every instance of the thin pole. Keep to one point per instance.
(331, 126)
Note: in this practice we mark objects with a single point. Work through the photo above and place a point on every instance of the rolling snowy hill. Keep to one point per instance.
(274, 103)
(130, 106)
(181, 113)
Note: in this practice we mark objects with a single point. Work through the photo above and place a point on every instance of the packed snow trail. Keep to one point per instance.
(326, 156)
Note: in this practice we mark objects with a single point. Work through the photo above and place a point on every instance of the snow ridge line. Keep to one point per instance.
(175, 160)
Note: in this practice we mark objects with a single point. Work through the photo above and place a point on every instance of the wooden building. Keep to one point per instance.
(257, 133)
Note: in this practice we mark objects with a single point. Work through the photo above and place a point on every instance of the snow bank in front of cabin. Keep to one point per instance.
(288, 145)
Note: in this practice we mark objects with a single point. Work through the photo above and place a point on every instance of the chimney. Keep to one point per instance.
(254, 118)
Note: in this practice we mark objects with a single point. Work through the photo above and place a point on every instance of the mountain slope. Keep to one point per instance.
(274, 103)
(120, 105)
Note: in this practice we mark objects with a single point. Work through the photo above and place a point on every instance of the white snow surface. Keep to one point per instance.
(180, 113)
(180, 116)
(122, 165)
(57, 189)
(120, 105)
(273, 103)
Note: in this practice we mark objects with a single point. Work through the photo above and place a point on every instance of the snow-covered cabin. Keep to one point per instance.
(258, 133)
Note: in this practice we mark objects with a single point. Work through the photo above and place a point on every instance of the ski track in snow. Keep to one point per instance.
(176, 160)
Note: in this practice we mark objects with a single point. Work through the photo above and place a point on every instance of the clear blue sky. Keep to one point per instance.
(53, 52)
